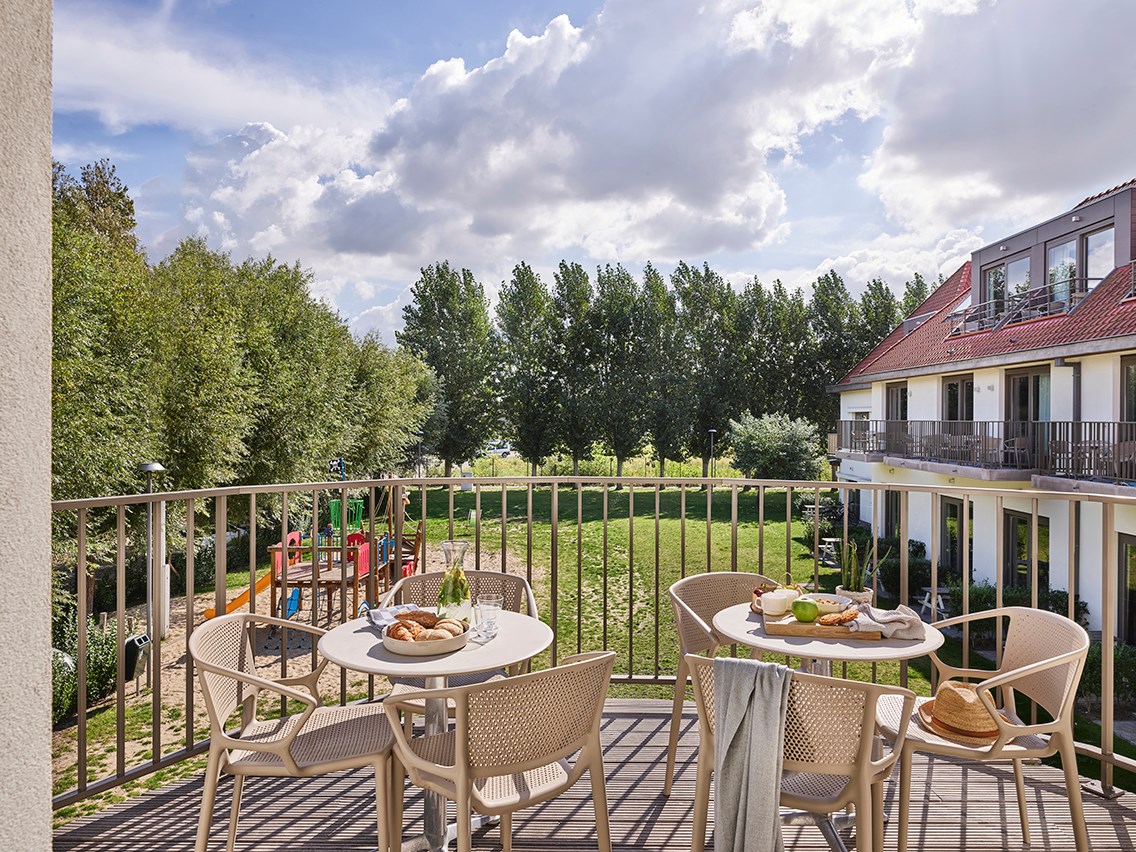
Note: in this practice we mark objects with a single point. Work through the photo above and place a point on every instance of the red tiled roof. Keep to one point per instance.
(1103, 314)
(1101, 195)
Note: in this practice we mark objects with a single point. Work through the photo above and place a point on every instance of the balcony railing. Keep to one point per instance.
(1036, 303)
(600, 553)
(1098, 450)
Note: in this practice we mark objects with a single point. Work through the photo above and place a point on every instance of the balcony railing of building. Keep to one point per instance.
(1035, 303)
(1097, 450)
(600, 553)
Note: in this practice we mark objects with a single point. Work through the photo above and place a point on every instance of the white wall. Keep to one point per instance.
(25, 424)
(853, 401)
(923, 398)
(1100, 387)
(989, 395)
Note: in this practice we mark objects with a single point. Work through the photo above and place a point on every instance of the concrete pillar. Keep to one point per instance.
(25, 424)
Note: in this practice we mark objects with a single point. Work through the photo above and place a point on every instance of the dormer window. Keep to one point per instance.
(1061, 260)
(1006, 280)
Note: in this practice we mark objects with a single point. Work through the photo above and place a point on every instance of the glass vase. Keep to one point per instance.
(454, 597)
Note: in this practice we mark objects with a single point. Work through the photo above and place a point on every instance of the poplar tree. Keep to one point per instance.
(667, 388)
(574, 361)
(529, 400)
(621, 387)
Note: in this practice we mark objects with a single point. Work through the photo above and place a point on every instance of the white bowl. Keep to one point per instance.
(827, 603)
(429, 648)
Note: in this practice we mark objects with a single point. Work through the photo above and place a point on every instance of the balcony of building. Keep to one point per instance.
(600, 554)
(1004, 450)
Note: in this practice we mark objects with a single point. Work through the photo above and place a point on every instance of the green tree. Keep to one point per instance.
(776, 447)
(835, 326)
(709, 314)
(915, 293)
(447, 326)
(664, 362)
(786, 341)
(97, 201)
(205, 392)
(879, 314)
(574, 361)
(529, 399)
(620, 389)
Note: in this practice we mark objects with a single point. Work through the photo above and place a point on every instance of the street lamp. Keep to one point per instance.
(713, 432)
(150, 468)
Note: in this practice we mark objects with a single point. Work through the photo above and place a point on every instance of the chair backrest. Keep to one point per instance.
(1034, 636)
(294, 537)
(219, 646)
(531, 720)
(705, 595)
(423, 589)
(825, 721)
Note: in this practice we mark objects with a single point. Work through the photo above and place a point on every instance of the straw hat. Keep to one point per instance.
(957, 713)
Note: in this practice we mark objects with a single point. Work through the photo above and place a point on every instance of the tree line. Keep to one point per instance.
(227, 373)
(623, 363)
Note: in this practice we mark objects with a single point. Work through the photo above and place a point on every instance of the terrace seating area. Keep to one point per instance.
(954, 805)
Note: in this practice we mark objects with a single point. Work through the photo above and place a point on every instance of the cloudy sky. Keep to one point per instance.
(777, 139)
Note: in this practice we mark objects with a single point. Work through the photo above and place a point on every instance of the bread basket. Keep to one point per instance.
(430, 648)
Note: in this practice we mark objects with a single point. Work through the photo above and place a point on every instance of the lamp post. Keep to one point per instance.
(713, 432)
(150, 468)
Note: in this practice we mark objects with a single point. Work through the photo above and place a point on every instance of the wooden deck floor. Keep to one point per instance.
(954, 806)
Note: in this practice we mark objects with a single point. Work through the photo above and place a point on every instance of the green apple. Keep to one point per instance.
(805, 610)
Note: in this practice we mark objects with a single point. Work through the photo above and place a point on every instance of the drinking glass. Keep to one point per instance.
(488, 607)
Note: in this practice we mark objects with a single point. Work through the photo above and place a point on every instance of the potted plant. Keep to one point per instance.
(855, 572)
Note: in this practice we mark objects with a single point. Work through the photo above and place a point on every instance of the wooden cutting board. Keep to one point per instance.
(786, 625)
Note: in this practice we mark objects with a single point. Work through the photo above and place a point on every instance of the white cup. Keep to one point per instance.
(777, 602)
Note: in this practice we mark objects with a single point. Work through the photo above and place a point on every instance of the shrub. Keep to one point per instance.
(102, 658)
(984, 596)
(918, 574)
(64, 686)
(1124, 675)
(775, 447)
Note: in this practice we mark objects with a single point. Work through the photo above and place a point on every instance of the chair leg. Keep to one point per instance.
(382, 801)
(828, 831)
(1073, 791)
(676, 723)
(465, 830)
(865, 822)
(507, 832)
(1020, 784)
(701, 801)
(599, 801)
(208, 796)
(398, 790)
(878, 817)
(235, 810)
(904, 798)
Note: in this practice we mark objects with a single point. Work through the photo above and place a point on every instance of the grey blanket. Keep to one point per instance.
(900, 623)
(750, 700)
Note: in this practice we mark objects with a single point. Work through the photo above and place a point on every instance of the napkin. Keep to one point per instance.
(386, 616)
(900, 623)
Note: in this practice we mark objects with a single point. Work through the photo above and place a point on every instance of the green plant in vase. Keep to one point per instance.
(855, 574)
(454, 597)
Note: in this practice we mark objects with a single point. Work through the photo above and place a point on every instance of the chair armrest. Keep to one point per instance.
(948, 669)
(900, 734)
(291, 625)
(392, 707)
(688, 613)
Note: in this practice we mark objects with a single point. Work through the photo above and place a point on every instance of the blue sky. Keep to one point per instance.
(776, 139)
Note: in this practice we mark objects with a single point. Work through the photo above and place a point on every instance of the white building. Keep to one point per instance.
(1018, 372)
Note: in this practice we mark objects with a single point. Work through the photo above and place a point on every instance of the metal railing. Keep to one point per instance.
(1047, 300)
(1097, 450)
(600, 553)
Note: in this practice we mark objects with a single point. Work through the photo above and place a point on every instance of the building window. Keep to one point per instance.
(958, 398)
(1027, 395)
(1128, 389)
(951, 557)
(1126, 603)
(1100, 255)
(1062, 269)
(1005, 281)
(897, 401)
(861, 415)
(1017, 562)
(892, 513)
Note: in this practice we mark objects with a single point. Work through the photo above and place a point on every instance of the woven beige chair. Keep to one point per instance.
(511, 743)
(317, 741)
(696, 600)
(1042, 659)
(828, 762)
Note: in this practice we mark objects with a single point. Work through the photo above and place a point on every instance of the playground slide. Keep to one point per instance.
(242, 599)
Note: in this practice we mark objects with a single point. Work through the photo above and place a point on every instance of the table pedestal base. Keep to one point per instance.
(422, 844)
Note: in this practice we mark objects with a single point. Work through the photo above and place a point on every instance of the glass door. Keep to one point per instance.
(1126, 603)
(1017, 559)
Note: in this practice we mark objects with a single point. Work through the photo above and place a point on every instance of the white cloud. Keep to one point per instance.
(130, 70)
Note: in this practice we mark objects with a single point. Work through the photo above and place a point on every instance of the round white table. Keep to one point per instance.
(358, 646)
(742, 625)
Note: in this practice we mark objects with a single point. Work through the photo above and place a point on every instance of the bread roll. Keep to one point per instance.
(451, 626)
(402, 631)
(418, 616)
(430, 634)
